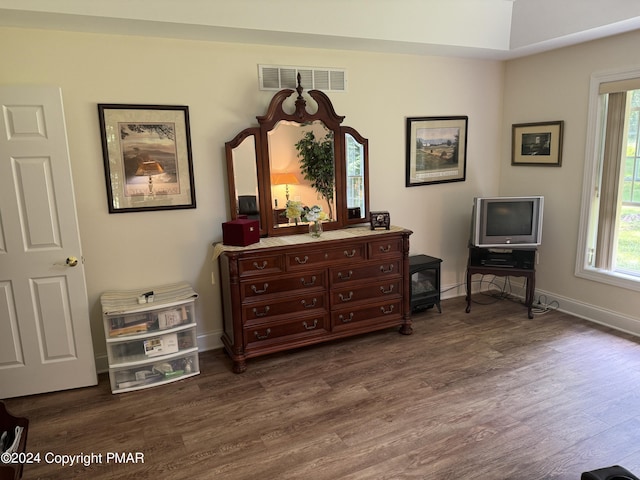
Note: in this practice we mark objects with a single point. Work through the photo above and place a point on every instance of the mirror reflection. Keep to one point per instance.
(246, 179)
(355, 177)
(302, 166)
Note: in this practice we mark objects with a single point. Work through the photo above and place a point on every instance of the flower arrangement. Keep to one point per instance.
(294, 210)
(314, 214)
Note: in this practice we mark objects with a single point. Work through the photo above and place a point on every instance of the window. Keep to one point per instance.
(609, 243)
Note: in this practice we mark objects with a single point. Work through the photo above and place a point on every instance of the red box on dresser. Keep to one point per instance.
(240, 232)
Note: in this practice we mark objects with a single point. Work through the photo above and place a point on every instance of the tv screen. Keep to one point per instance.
(514, 222)
(509, 218)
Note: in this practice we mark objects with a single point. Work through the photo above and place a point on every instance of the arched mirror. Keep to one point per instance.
(356, 176)
(299, 159)
(242, 170)
(302, 171)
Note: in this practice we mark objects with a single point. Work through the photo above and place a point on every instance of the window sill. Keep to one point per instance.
(611, 278)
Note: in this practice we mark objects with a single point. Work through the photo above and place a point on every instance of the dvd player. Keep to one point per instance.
(496, 262)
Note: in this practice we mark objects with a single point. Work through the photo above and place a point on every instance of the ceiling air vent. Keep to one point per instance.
(273, 77)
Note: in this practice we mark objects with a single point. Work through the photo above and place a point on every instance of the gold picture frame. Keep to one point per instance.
(538, 144)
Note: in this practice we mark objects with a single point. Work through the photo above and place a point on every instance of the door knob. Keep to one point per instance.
(72, 261)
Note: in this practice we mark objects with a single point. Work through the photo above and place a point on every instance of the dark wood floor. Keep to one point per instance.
(487, 395)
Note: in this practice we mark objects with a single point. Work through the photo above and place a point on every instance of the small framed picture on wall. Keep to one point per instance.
(537, 144)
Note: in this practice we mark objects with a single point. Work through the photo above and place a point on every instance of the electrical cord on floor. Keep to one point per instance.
(494, 290)
(504, 291)
(452, 287)
(541, 306)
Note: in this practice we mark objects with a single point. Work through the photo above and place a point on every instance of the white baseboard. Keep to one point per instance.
(102, 363)
(210, 341)
(451, 291)
(593, 313)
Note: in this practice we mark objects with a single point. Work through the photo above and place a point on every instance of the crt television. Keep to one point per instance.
(507, 222)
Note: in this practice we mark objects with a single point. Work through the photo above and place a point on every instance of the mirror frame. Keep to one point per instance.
(276, 113)
(231, 180)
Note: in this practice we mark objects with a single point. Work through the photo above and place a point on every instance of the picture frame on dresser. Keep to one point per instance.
(147, 157)
(380, 219)
(436, 150)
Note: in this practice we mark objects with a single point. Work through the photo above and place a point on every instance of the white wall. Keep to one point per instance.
(219, 84)
(555, 86)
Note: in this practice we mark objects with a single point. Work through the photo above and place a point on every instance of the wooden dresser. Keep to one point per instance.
(291, 291)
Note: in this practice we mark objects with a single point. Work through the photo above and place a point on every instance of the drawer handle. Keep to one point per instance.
(264, 289)
(263, 337)
(311, 305)
(345, 277)
(386, 292)
(345, 299)
(308, 284)
(261, 314)
(310, 327)
(260, 267)
(386, 271)
(350, 255)
(346, 320)
(385, 250)
(302, 262)
(386, 312)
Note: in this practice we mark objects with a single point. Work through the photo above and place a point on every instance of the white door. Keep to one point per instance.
(45, 336)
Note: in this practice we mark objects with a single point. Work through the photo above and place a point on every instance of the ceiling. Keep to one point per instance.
(488, 29)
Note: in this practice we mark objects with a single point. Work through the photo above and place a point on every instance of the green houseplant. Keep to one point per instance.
(316, 164)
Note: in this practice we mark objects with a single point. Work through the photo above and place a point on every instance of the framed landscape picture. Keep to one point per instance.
(537, 144)
(436, 150)
(147, 157)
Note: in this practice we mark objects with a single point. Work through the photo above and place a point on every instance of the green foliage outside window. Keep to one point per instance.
(628, 248)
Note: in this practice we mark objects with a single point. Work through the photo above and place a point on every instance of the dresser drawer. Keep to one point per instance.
(385, 247)
(373, 270)
(345, 319)
(304, 258)
(262, 312)
(260, 265)
(347, 295)
(262, 335)
(263, 287)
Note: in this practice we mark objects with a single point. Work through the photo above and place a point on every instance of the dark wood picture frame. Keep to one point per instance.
(538, 144)
(380, 219)
(147, 157)
(436, 150)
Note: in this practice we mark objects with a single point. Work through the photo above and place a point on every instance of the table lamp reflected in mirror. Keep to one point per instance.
(285, 179)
